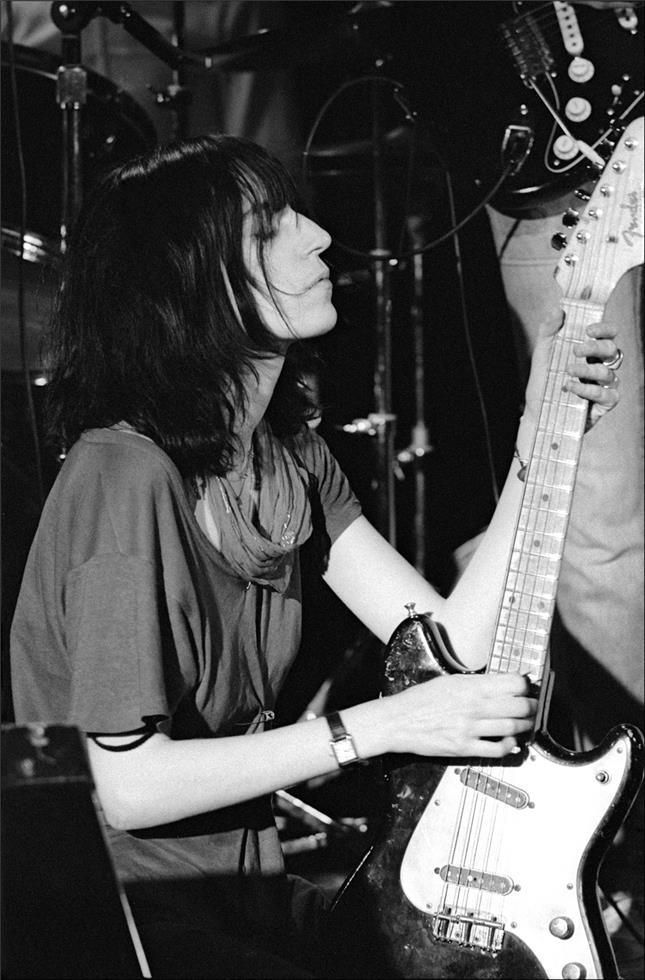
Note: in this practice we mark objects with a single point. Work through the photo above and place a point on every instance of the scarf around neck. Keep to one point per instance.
(263, 524)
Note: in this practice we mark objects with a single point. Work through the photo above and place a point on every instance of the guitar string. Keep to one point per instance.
(501, 812)
(555, 405)
(527, 555)
(561, 423)
(489, 856)
(560, 418)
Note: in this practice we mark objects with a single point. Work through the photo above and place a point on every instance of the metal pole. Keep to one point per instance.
(383, 420)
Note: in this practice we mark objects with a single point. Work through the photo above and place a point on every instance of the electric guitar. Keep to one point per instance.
(557, 76)
(581, 69)
(490, 870)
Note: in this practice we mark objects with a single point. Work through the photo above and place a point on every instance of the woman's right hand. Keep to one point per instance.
(459, 715)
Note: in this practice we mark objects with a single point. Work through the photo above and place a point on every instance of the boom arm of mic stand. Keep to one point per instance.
(140, 29)
(75, 16)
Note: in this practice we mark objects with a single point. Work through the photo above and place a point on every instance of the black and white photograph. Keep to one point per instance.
(322, 490)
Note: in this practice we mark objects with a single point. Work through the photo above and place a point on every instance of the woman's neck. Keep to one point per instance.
(259, 391)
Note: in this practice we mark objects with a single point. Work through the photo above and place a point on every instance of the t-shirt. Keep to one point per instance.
(127, 612)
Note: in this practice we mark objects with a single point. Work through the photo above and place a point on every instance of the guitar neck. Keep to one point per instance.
(526, 612)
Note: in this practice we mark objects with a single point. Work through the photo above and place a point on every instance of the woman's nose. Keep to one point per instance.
(319, 239)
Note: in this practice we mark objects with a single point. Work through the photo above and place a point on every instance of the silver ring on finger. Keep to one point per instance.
(615, 362)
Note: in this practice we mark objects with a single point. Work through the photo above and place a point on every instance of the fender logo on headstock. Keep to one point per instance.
(633, 204)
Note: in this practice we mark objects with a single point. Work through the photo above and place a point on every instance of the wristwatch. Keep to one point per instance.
(342, 744)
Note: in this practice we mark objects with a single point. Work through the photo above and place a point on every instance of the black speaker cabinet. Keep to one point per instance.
(64, 914)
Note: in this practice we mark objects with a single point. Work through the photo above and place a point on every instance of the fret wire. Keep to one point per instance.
(550, 472)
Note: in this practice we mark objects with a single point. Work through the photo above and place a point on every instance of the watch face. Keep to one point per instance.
(344, 751)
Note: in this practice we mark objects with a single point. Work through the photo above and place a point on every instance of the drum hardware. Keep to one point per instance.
(71, 96)
(176, 97)
(420, 446)
(398, 137)
(71, 19)
(326, 828)
(362, 29)
(381, 423)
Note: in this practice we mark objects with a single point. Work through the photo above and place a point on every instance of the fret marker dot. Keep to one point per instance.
(555, 445)
(545, 496)
(537, 543)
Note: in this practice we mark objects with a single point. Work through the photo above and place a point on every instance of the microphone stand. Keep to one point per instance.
(71, 96)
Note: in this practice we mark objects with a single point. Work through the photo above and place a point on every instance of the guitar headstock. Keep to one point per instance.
(608, 236)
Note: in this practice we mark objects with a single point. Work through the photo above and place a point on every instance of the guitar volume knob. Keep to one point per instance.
(559, 241)
(577, 109)
(561, 927)
(573, 971)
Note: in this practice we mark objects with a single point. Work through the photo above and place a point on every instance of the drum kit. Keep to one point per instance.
(63, 125)
(114, 127)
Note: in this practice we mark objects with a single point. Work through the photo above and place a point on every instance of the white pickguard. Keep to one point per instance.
(540, 847)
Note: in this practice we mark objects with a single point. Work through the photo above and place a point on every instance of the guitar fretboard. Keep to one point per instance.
(526, 612)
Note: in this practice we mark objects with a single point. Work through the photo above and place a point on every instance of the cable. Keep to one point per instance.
(471, 353)
(507, 170)
(409, 115)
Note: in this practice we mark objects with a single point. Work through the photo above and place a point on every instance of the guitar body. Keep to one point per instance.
(590, 91)
(482, 67)
(487, 872)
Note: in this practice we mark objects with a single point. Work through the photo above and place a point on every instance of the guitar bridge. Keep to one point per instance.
(527, 47)
(482, 932)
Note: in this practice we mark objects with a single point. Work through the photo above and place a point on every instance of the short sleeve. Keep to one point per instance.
(339, 503)
(123, 666)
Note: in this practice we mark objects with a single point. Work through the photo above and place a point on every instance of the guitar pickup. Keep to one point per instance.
(495, 788)
(482, 880)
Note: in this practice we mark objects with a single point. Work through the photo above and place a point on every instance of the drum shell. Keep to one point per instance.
(114, 128)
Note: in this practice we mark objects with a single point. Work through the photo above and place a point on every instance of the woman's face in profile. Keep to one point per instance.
(294, 299)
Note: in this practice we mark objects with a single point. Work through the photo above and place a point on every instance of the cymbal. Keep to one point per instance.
(393, 139)
(316, 39)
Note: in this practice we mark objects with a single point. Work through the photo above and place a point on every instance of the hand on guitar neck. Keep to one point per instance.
(589, 372)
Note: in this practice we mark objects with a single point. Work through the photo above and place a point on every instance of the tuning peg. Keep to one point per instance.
(570, 218)
(559, 241)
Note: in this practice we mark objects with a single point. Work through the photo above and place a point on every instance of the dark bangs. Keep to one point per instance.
(265, 184)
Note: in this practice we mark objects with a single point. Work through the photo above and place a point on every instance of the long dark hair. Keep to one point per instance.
(145, 329)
